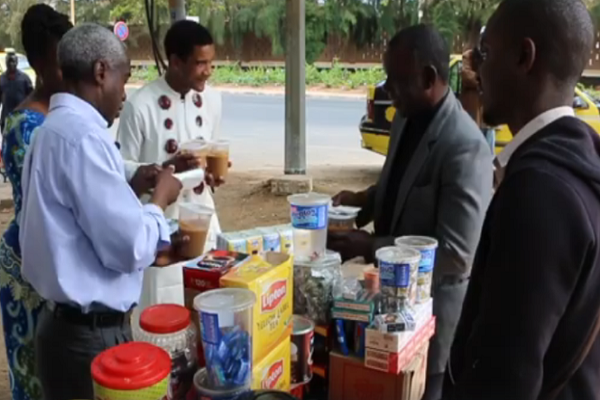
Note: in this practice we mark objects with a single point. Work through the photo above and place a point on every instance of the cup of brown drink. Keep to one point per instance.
(217, 160)
(194, 222)
(199, 148)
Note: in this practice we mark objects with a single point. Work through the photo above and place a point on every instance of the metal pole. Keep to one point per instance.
(295, 85)
(73, 12)
(177, 10)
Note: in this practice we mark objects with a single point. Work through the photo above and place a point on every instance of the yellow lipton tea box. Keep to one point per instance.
(274, 371)
(270, 277)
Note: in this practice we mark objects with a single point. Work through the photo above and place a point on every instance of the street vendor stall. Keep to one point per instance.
(260, 318)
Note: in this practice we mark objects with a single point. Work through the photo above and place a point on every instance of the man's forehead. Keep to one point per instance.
(205, 51)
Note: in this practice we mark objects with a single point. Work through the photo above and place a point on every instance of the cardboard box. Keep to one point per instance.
(204, 273)
(395, 363)
(351, 380)
(394, 342)
(253, 241)
(274, 371)
(270, 277)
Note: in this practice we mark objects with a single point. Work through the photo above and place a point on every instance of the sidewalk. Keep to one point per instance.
(356, 94)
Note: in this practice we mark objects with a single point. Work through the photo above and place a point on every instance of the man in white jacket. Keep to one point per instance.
(159, 118)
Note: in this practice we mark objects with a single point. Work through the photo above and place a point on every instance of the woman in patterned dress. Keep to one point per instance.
(42, 27)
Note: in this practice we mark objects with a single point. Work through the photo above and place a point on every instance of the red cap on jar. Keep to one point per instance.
(165, 318)
(131, 366)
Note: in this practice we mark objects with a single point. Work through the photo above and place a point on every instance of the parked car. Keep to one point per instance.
(376, 123)
(23, 64)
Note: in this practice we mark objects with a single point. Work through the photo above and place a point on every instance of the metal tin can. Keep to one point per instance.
(303, 336)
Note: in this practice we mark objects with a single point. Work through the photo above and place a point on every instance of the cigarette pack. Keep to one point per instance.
(349, 315)
(364, 303)
(394, 342)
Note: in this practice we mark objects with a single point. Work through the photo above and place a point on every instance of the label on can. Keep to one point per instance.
(302, 350)
(309, 217)
(427, 260)
(394, 275)
(210, 328)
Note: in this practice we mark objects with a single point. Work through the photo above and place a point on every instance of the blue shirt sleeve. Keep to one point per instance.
(124, 234)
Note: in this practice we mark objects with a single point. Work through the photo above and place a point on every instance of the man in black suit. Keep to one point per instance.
(529, 324)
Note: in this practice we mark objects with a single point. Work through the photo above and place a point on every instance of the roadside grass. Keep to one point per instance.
(334, 77)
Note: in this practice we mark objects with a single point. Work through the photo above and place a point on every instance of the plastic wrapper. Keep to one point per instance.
(316, 283)
(351, 289)
(399, 321)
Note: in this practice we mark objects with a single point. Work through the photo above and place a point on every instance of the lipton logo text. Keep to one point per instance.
(271, 298)
(273, 375)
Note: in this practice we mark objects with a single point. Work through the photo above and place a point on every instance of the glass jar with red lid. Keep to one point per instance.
(169, 326)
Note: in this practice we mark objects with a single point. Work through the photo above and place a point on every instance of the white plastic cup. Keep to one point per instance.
(427, 246)
(309, 217)
(225, 317)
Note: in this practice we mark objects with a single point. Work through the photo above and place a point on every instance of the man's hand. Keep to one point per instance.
(184, 161)
(144, 179)
(351, 244)
(167, 189)
(170, 255)
(470, 79)
(352, 199)
(211, 181)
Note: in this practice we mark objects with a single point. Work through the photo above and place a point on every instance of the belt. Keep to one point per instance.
(93, 319)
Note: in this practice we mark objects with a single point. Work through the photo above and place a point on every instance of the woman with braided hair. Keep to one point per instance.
(41, 29)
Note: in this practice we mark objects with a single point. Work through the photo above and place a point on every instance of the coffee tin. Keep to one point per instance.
(303, 340)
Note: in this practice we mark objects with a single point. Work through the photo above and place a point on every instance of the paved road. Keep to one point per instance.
(255, 126)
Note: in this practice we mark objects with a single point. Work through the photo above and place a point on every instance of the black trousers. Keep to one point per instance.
(448, 296)
(65, 348)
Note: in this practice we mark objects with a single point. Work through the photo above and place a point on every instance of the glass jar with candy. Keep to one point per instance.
(169, 327)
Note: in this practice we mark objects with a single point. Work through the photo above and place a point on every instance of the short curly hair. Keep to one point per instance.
(41, 28)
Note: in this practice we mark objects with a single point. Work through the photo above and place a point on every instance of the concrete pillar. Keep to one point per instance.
(177, 10)
(295, 85)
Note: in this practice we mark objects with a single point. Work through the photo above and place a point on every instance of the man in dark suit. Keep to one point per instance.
(436, 181)
(529, 324)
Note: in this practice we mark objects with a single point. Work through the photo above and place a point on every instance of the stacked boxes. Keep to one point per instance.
(253, 241)
(270, 277)
(390, 352)
(274, 371)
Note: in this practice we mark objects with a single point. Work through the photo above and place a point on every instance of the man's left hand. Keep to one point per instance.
(211, 181)
(170, 255)
(351, 244)
(144, 179)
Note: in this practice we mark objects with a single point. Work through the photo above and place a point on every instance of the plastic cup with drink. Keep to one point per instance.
(194, 222)
(217, 159)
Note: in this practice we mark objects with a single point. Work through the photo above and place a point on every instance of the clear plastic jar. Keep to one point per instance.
(169, 326)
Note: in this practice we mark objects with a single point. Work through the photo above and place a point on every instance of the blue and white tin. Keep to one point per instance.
(309, 217)
(427, 246)
(398, 267)
(309, 211)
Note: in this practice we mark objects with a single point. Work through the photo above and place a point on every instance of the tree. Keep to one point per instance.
(11, 14)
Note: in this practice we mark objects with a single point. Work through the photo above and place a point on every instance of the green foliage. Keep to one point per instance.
(335, 77)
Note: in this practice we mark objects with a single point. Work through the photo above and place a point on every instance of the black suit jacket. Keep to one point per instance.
(534, 295)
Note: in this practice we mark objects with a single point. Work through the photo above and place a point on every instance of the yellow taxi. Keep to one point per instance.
(375, 125)
(23, 63)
